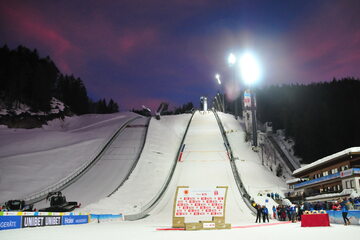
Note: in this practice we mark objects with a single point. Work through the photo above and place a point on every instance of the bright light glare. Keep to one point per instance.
(231, 59)
(249, 68)
(217, 76)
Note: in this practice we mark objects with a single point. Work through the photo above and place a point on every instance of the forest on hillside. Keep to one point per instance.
(322, 118)
(25, 78)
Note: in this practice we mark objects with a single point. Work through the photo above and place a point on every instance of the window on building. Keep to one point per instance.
(347, 184)
(333, 171)
(325, 173)
(344, 167)
(352, 184)
(338, 187)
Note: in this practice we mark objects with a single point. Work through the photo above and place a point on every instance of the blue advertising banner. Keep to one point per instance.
(10, 222)
(336, 217)
(105, 216)
(79, 219)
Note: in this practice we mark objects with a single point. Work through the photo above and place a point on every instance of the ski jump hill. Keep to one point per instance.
(130, 165)
(123, 163)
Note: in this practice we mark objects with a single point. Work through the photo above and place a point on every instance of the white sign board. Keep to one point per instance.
(196, 202)
(247, 99)
(346, 173)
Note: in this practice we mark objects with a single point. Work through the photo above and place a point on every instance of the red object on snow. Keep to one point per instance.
(315, 220)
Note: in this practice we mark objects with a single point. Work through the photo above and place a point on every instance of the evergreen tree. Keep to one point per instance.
(27, 78)
(321, 117)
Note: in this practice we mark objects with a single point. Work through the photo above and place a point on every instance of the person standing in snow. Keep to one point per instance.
(265, 213)
(258, 213)
(293, 213)
(274, 212)
(345, 211)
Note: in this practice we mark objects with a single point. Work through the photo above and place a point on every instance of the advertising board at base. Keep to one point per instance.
(10, 222)
(25, 221)
(40, 221)
(69, 220)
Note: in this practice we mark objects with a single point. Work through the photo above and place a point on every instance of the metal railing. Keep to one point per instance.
(283, 156)
(155, 200)
(244, 194)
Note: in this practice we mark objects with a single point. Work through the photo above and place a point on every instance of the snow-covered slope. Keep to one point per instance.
(33, 159)
(111, 169)
(205, 165)
(163, 141)
(203, 155)
(56, 106)
(256, 178)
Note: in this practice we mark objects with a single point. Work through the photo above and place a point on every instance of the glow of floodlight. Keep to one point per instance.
(217, 76)
(231, 59)
(249, 68)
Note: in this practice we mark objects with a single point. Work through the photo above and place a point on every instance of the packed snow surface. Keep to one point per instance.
(204, 165)
(111, 169)
(257, 178)
(145, 182)
(33, 159)
(145, 229)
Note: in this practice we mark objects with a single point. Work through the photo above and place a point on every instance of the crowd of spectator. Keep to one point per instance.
(294, 212)
(352, 204)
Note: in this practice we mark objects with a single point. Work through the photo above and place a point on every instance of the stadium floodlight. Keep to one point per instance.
(231, 59)
(217, 76)
(249, 68)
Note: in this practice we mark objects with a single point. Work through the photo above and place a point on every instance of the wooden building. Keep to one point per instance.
(329, 178)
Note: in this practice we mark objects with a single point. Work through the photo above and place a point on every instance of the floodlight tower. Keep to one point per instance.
(231, 61)
(250, 74)
(222, 101)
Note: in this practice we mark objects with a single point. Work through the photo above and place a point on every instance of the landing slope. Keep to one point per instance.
(256, 176)
(33, 159)
(111, 169)
(205, 165)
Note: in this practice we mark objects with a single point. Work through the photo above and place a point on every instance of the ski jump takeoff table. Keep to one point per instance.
(315, 220)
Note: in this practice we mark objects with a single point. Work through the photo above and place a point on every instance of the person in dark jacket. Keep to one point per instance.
(345, 211)
(265, 213)
(258, 213)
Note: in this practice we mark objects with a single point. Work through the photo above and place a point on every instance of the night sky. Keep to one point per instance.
(145, 52)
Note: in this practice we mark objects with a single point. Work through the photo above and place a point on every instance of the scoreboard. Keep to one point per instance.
(200, 202)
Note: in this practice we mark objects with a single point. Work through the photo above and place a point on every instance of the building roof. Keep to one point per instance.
(294, 180)
(327, 159)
